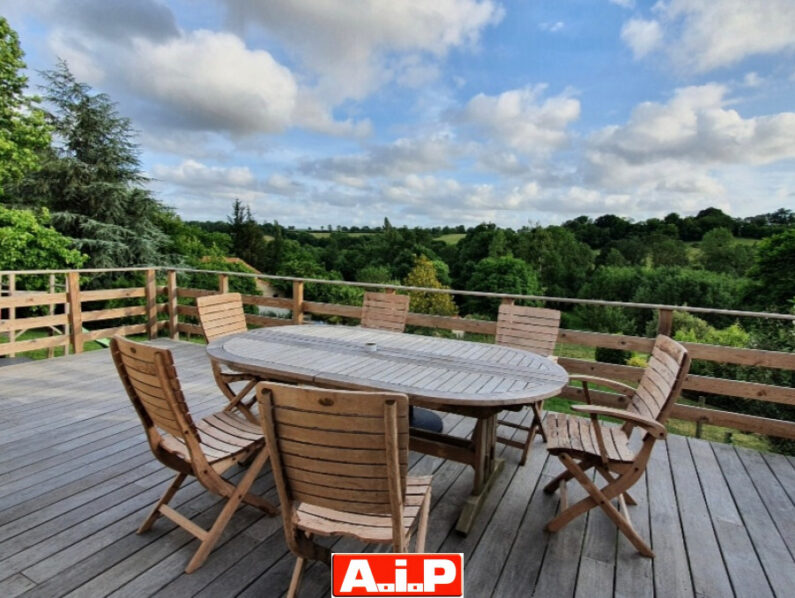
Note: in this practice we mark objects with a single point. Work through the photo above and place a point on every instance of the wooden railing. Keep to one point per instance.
(162, 306)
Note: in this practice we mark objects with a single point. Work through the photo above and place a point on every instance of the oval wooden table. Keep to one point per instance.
(473, 379)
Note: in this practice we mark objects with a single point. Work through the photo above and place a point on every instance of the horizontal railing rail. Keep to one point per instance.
(168, 307)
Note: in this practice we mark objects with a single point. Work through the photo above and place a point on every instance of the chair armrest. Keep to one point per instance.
(615, 385)
(652, 426)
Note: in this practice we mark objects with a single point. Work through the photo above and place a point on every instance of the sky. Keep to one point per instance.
(343, 112)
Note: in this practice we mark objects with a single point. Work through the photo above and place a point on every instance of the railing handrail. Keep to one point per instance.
(397, 287)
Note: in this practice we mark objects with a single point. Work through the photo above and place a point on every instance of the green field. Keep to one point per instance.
(451, 239)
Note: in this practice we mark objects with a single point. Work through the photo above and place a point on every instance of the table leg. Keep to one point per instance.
(487, 468)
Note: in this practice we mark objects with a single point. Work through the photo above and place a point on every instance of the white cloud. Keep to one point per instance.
(703, 35)
(194, 174)
(624, 3)
(681, 146)
(350, 46)
(641, 36)
(401, 158)
(215, 81)
(753, 79)
(521, 119)
(552, 27)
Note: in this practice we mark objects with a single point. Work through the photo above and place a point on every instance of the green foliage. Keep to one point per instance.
(720, 252)
(563, 263)
(248, 242)
(91, 180)
(774, 270)
(376, 274)
(237, 284)
(689, 328)
(500, 275)
(665, 251)
(618, 356)
(27, 242)
(189, 242)
(23, 129)
(423, 274)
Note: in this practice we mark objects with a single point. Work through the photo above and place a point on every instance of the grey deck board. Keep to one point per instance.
(770, 547)
(710, 577)
(77, 478)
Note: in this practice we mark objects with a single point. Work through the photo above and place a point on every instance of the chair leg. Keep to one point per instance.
(565, 477)
(599, 498)
(295, 580)
(537, 417)
(164, 500)
(237, 403)
(611, 478)
(229, 509)
(422, 527)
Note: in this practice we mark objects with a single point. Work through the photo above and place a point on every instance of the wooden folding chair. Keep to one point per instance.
(204, 450)
(581, 444)
(532, 329)
(222, 315)
(340, 461)
(385, 311)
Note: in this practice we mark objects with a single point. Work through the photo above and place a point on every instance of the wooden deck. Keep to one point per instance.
(76, 479)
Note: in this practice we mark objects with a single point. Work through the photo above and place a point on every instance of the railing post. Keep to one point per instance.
(173, 316)
(298, 302)
(12, 311)
(75, 310)
(66, 327)
(508, 301)
(665, 322)
(223, 283)
(151, 304)
(51, 288)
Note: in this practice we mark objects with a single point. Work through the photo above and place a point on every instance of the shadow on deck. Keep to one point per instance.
(76, 479)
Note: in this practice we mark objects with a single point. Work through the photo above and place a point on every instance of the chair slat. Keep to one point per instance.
(385, 311)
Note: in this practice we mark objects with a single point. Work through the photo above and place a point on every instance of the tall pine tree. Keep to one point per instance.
(91, 178)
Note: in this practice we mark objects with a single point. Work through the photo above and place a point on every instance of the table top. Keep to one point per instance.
(432, 371)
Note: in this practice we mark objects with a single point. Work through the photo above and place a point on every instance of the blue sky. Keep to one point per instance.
(318, 112)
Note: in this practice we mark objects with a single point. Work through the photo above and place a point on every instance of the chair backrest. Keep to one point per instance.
(530, 328)
(221, 315)
(342, 450)
(662, 380)
(385, 311)
(151, 382)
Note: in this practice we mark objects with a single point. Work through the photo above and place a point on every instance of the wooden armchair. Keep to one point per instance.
(340, 461)
(385, 311)
(221, 315)
(532, 329)
(204, 450)
(581, 444)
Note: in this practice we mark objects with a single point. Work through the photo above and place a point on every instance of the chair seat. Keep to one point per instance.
(575, 435)
(367, 528)
(223, 435)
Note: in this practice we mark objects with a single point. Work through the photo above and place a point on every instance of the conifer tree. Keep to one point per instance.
(91, 178)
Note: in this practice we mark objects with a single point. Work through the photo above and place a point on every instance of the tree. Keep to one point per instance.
(721, 253)
(248, 242)
(563, 263)
(500, 275)
(665, 251)
(774, 270)
(27, 242)
(423, 274)
(91, 179)
(23, 129)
